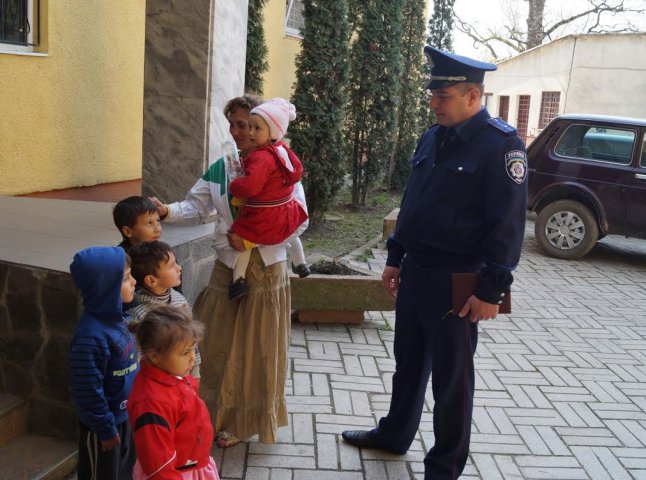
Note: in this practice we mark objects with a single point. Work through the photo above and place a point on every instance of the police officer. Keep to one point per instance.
(463, 211)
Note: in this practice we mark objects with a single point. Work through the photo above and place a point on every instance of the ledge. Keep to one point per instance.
(46, 233)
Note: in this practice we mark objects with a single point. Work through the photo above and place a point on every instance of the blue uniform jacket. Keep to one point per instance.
(103, 354)
(466, 202)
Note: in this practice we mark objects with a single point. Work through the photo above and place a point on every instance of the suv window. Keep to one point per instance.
(597, 143)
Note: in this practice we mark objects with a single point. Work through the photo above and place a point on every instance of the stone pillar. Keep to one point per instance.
(194, 62)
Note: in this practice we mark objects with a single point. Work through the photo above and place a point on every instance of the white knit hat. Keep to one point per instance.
(277, 112)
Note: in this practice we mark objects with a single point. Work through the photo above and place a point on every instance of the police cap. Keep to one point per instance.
(449, 68)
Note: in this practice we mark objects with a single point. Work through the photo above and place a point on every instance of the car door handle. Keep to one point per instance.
(640, 176)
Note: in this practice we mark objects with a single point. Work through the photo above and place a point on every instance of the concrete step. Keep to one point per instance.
(13, 418)
(33, 457)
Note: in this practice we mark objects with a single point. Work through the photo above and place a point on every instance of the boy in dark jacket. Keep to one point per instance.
(103, 363)
(138, 221)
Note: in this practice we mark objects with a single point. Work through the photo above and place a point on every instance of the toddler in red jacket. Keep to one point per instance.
(270, 214)
(172, 427)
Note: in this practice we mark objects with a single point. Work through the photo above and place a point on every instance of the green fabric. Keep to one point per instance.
(216, 174)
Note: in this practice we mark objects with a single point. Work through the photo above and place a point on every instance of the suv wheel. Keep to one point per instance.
(566, 229)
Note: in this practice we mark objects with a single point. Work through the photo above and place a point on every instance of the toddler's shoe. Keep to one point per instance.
(301, 270)
(226, 439)
(238, 289)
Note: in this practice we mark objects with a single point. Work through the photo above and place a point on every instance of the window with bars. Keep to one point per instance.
(523, 116)
(294, 21)
(16, 20)
(503, 107)
(549, 108)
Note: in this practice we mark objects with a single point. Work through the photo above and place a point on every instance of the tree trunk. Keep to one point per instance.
(535, 32)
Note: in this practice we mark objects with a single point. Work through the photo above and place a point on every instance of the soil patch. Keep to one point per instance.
(333, 267)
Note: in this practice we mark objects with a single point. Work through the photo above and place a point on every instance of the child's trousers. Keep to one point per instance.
(115, 464)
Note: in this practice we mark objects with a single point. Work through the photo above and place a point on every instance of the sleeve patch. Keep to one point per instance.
(516, 165)
(150, 418)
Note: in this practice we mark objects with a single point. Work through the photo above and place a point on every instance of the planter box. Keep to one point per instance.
(390, 221)
(338, 298)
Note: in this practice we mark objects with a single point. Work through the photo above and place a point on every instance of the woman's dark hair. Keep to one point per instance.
(127, 211)
(163, 327)
(147, 257)
(246, 102)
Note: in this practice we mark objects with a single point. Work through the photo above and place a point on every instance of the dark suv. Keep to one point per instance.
(587, 179)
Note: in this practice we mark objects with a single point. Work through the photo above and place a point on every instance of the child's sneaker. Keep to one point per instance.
(238, 289)
(301, 270)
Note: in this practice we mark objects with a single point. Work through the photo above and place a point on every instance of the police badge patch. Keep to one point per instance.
(516, 165)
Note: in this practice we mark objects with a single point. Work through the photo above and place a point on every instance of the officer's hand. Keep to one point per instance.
(478, 309)
(390, 279)
(110, 443)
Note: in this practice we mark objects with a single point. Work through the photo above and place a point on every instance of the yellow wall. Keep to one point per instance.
(282, 49)
(74, 117)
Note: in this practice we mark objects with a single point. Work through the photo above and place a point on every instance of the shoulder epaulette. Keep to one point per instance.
(501, 125)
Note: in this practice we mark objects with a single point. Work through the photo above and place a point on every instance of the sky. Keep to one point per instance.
(483, 14)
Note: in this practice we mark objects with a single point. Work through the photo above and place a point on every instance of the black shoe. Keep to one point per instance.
(238, 289)
(361, 438)
(301, 270)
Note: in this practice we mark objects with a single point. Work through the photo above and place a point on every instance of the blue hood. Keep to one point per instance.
(98, 273)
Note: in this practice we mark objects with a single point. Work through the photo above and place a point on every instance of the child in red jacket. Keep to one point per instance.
(270, 214)
(172, 427)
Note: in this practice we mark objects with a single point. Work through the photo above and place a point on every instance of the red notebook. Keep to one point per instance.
(465, 284)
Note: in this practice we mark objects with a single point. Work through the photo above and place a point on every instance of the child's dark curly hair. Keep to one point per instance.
(147, 258)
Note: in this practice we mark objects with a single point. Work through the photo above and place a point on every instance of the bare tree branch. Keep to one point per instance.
(517, 39)
(598, 7)
(513, 40)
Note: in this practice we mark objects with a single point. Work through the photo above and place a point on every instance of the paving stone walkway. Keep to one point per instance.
(561, 383)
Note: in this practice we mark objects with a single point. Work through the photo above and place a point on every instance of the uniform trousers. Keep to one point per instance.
(431, 340)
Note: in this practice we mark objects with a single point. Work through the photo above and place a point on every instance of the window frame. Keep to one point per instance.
(291, 31)
(548, 104)
(575, 156)
(33, 36)
(522, 117)
(503, 107)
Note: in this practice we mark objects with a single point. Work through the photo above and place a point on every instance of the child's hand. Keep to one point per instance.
(110, 443)
(235, 241)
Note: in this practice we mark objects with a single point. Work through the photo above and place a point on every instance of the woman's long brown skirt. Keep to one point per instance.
(244, 351)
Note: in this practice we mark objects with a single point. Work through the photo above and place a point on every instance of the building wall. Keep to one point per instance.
(609, 76)
(596, 74)
(194, 63)
(282, 50)
(539, 70)
(228, 59)
(73, 116)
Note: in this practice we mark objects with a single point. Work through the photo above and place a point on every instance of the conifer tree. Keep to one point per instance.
(320, 96)
(440, 26)
(375, 68)
(413, 109)
(256, 63)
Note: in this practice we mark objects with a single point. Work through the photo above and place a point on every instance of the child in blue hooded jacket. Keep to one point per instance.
(103, 363)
